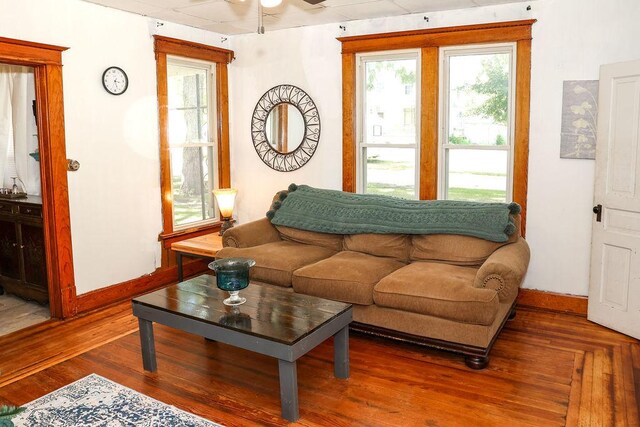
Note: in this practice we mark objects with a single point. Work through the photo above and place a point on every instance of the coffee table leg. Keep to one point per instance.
(179, 262)
(341, 353)
(288, 390)
(148, 345)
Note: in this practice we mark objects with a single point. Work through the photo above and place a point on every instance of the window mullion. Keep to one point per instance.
(388, 145)
(477, 147)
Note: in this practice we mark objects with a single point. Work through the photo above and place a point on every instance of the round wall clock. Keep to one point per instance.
(115, 80)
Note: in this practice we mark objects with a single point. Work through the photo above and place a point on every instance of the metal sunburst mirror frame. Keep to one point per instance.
(286, 94)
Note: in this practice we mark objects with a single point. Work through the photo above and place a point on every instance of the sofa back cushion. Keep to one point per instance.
(325, 240)
(456, 249)
(394, 246)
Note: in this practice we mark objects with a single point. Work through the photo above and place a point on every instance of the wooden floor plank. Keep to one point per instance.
(574, 405)
(587, 409)
(635, 355)
(618, 379)
(546, 369)
(34, 349)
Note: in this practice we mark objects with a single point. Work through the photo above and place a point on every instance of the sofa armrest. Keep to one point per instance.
(504, 270)
(252, 233)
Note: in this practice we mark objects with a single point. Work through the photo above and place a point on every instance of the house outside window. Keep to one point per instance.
(410, 116)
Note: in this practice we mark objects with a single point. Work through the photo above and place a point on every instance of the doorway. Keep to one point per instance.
(46, 61)
(24, 294)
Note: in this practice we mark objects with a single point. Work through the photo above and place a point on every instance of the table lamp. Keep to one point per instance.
(225, 198)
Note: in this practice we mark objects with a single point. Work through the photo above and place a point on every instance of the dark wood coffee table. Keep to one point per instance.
(273, 322)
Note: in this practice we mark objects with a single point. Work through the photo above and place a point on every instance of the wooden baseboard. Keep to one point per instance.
(131, 288)
(164, 276)
(552, 301)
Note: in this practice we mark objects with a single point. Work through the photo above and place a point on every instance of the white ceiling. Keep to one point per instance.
(241, 16)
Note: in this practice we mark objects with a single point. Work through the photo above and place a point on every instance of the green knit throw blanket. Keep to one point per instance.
(337, 212)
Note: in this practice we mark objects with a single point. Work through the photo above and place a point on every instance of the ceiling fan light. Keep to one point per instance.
(270, 3)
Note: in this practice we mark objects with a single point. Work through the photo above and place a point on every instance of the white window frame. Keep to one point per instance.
(361, 60)
(211, 131)
(443, 146)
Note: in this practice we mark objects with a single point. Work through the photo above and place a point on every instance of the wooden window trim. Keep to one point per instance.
(435, 37)
(429, 41)
(221, 57)
(47, 63)
(187, 49)
(429, 134)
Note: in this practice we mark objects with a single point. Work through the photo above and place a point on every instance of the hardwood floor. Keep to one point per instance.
(546, 369)
(36, 348)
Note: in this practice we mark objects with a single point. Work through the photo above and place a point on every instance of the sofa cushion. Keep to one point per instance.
(457, 249)
(326, 240)
(347, 276)
(452, 249)
(276, 261)
(386, 245)
(440, 290)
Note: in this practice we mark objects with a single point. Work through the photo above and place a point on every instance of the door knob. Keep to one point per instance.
(73, 165)
(597, 209)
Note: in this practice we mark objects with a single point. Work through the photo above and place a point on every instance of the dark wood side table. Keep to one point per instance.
(205, 246)
(23, 267)
(273, 322)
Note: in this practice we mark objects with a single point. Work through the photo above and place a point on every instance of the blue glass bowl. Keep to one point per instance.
(232, 275)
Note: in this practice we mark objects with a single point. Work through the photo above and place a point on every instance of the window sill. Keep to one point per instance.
(168, 238)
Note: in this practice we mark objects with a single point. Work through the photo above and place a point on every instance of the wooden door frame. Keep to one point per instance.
(47, 63)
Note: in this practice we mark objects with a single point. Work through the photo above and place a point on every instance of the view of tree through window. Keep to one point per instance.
(191, 150)
(477, 148)
(388, 148)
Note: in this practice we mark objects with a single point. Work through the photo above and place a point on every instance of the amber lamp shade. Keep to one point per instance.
(225, 198)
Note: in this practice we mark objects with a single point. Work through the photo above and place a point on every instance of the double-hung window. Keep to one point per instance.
(388, 128)
(476, 115)
(192, 141)
(438, 113)
(194, 136)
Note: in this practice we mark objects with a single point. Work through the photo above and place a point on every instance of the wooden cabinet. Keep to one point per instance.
(23, 270)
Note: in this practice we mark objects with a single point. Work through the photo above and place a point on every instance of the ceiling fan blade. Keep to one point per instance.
(314, 1)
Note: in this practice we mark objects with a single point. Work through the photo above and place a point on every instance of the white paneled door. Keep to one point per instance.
(614, 289)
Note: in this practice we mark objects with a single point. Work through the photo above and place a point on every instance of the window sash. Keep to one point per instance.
(397, 185)
(361, 160)
(446, 53)
(210, 105)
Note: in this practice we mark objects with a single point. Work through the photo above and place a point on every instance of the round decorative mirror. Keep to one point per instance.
(285, 128)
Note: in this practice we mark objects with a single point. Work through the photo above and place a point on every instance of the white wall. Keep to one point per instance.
(310, 59)
(571, 39)
(115, 196)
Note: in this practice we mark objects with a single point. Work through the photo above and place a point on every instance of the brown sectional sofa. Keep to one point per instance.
(448, 291)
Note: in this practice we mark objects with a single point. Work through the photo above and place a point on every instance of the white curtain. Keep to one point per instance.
(6, 121)
(18, 132)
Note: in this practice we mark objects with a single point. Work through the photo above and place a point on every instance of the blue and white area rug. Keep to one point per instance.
(97, 401)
